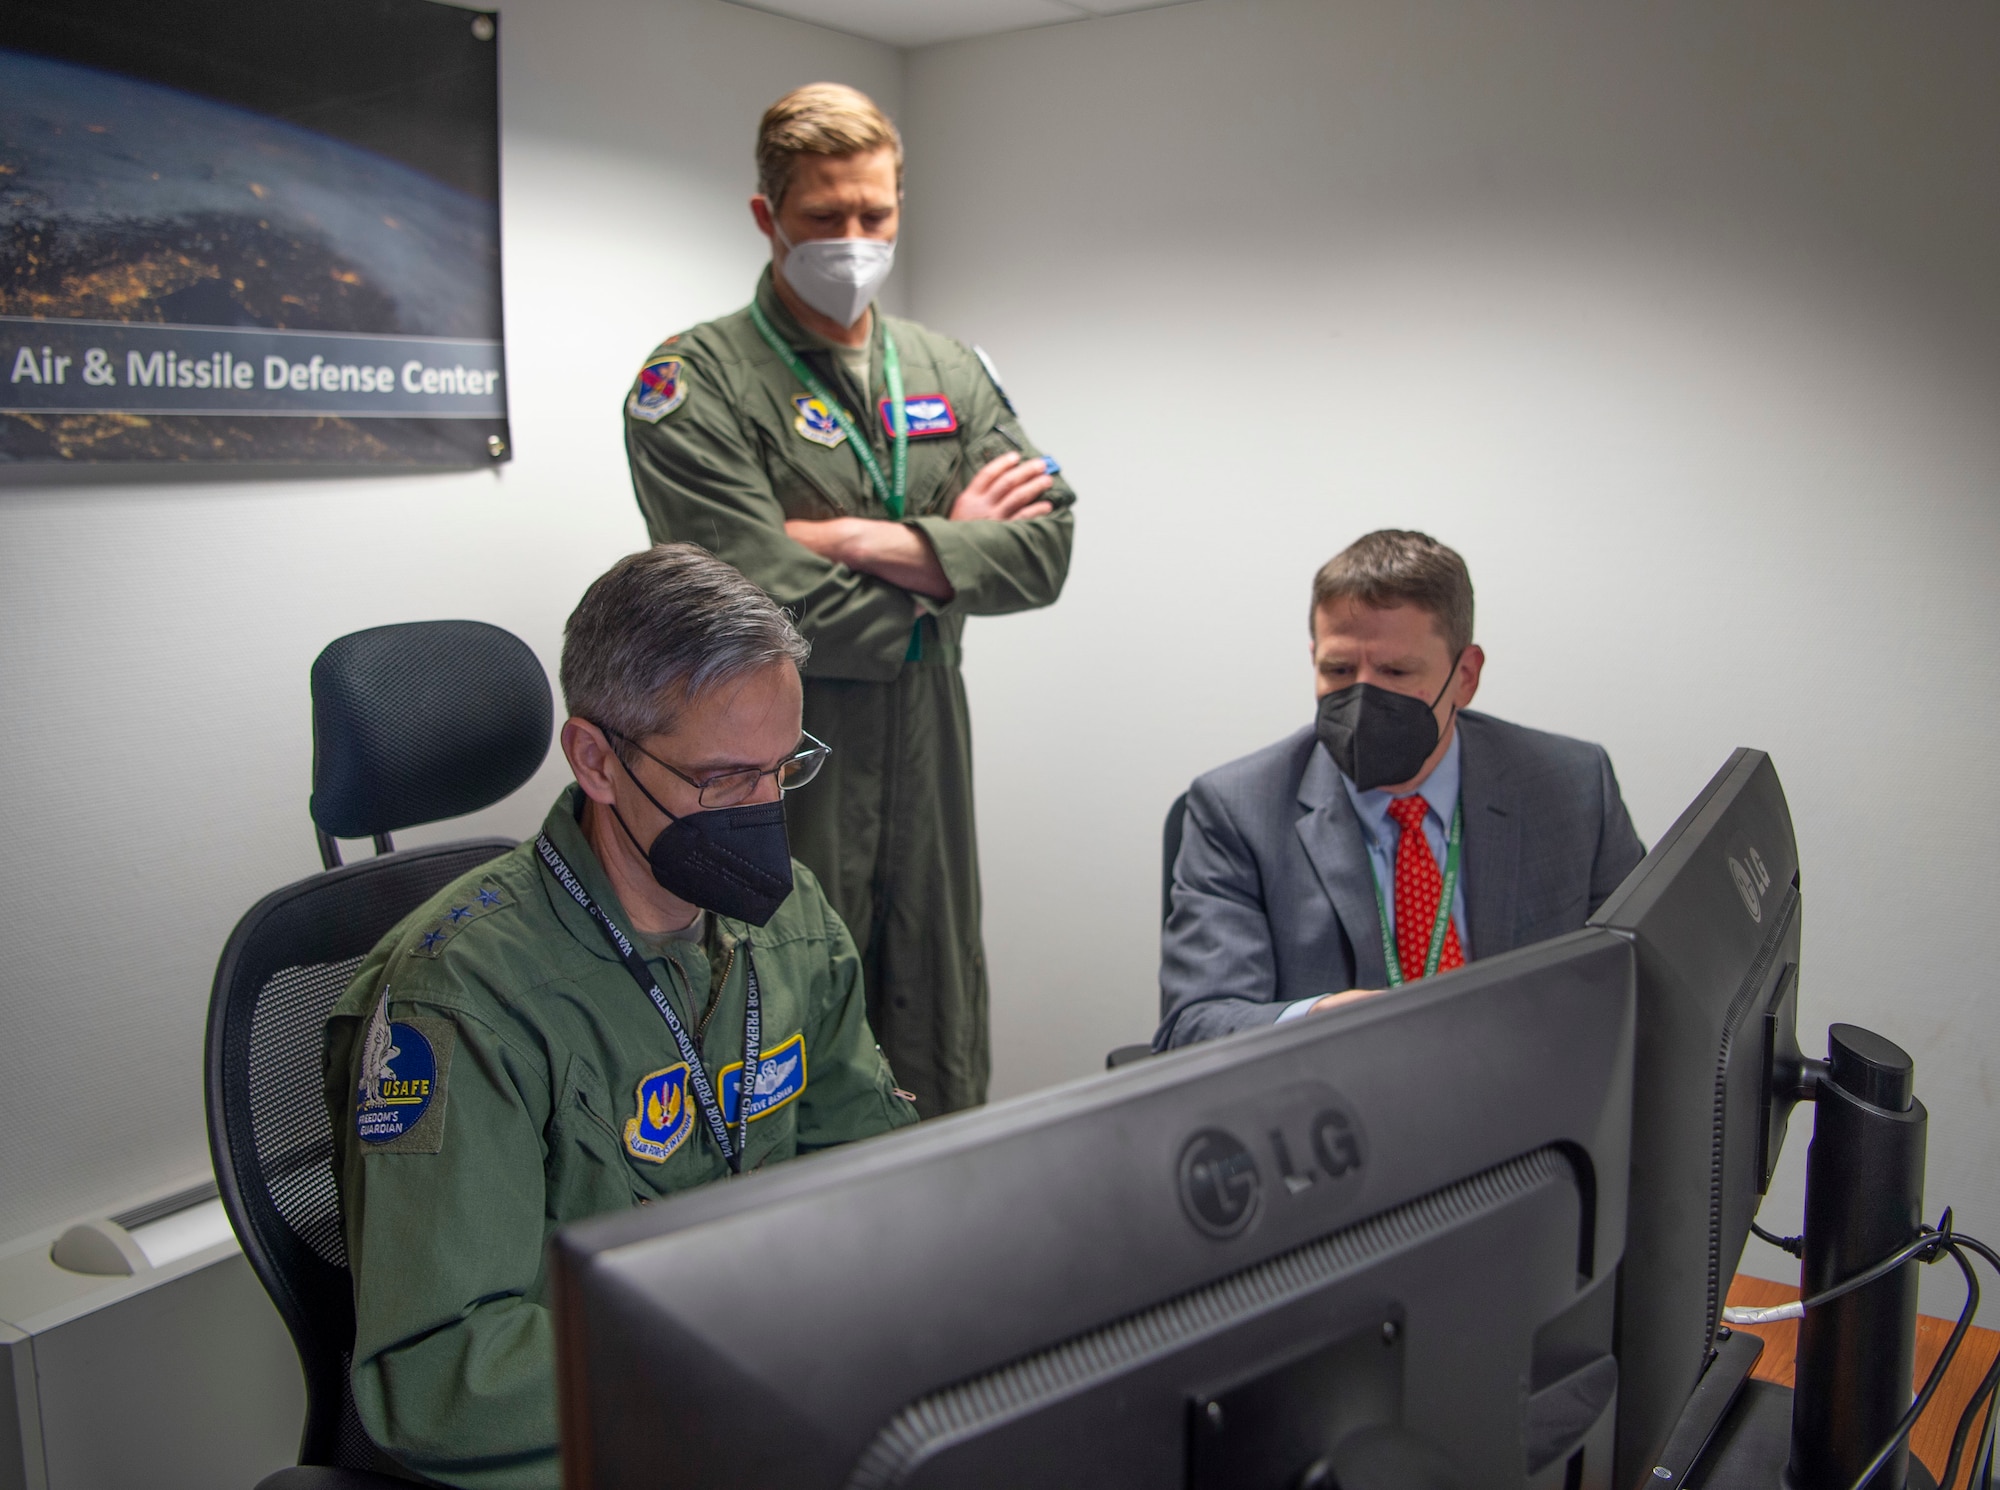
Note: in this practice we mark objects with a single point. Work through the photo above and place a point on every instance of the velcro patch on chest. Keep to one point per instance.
(400, 1099)
(781, 1076)
(664, 1116)
(662, 388)
(817, 423)
(460, 914)
(929, 414)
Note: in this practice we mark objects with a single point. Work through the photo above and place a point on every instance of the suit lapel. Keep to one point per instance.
(1331, 836)
(1492, 843)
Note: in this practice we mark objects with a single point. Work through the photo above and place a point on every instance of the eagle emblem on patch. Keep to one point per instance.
(398, 1075)
(664, 1117)
(781, 1076)
(817, 422)
(661, 389)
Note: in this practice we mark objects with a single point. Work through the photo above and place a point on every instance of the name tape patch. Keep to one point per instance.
(781, 1076)
(929, 414)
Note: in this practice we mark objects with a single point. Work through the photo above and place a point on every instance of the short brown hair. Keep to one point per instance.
(1397, 567)
(658, 630)
(819, 119)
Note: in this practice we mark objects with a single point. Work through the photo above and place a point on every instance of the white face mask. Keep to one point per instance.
(838, 277)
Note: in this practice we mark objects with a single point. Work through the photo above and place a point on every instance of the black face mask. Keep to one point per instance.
(735, 861)
(1376, 737)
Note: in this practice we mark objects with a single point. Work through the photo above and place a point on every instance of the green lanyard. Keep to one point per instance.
(1443, 922)
(892, 374)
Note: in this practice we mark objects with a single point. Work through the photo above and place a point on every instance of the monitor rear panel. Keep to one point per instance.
(1714, 917)
(1053, 1291)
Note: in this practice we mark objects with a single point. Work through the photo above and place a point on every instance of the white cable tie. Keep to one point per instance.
(1796, 1309)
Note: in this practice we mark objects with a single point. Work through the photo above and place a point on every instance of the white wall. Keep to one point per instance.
(154, 729)
(1679, 322)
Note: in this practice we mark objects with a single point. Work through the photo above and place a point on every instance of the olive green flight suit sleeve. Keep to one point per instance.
(454, 1357)
(998, 567)
(699, 476)
(852, 1092)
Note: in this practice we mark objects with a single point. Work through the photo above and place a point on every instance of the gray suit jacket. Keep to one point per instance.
(1273, 900)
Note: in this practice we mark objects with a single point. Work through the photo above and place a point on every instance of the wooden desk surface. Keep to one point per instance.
(1931, 1439)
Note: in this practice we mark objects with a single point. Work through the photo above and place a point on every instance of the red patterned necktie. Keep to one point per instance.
(1418, 886)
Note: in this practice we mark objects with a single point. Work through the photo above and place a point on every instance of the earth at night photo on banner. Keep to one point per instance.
(242, 233)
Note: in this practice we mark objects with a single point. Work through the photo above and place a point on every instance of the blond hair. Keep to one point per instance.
(820, 119)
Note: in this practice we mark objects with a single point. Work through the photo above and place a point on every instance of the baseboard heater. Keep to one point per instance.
(137, 1348)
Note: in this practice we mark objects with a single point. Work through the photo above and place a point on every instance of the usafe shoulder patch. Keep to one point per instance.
(662, 388)
(405, 1066)
(664, 1116)
(929, 413)
(455, 917)
(816, 422)
(781, 1076)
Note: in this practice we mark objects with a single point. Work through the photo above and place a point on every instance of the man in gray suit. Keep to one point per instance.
(1397, 821)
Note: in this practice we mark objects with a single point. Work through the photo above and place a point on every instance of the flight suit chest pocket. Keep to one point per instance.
(586, 1170)
(782, 1073)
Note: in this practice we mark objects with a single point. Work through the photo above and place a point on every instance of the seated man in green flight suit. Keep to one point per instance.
(565, 1031)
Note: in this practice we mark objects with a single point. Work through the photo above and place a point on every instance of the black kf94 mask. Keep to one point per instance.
(1377, 737)
(735, 861)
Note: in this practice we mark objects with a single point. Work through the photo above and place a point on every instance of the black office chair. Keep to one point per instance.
(411, 724)
(1170, 850)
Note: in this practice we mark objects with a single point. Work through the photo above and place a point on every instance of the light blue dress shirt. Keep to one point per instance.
(1440, 794)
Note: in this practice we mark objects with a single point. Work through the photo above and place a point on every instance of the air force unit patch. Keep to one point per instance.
(402, 1082)
(930, 414)
(662, 388)
(781, 1076)
(665, 1116)
(816, 422)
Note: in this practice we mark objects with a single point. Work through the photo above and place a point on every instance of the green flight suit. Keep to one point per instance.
(722, 455)
(516, 1078)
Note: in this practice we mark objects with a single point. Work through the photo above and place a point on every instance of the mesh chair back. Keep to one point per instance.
(285, 965)
(423, 721)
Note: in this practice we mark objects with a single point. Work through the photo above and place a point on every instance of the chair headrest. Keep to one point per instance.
(422, 721)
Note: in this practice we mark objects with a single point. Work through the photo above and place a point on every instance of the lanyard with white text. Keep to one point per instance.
(1443, 922)
(753, 1018)
(892, 494)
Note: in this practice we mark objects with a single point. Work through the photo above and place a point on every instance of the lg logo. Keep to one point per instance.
(1222, 1185)
(1752, 880)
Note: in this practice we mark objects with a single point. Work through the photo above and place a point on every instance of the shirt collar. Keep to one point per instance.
(565, 830)
(1439, 791)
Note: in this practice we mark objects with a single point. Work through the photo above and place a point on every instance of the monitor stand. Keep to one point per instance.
(1864, 1199)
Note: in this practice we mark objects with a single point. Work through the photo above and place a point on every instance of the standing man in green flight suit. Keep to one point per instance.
(566, 1030)
(872, 476)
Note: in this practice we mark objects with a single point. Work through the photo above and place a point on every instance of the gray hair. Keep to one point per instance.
(659, 629)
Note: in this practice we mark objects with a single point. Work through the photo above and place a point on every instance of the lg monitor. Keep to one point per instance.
(1373, 1249)
(1713, 915)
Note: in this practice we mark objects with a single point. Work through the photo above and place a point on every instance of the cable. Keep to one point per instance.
(1965, 1417)
(1936, 1378)
(1796, 1245)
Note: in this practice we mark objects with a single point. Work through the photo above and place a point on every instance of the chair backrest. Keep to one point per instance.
(1170, 850)
(410, 724)
(422, 721)
(286, 964)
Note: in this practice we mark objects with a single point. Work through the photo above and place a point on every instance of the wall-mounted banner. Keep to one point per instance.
(232, 231)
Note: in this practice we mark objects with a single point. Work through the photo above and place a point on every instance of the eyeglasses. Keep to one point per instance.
(734, 788)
